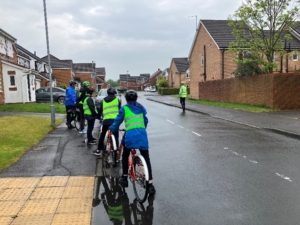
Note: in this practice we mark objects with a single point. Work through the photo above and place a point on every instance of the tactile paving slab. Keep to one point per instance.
(78, 192)
(47, 193)
(39, 207)
(78, 205)
(24, 182)
(5, 220)
(72, 219)
(10, 208)
(15, 194)
(53, 181)
(33, 220)
(80, 181)
(5, 182)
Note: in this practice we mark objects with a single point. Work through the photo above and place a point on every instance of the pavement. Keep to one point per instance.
(53, 183)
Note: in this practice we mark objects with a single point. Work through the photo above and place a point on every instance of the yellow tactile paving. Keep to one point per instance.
(10, 208)
(40, 206)
(80, 181)
(46, 200)
(74, 219)
(33, 220)
(79, 205)
(47, 193)
(24, 182)
(5, 182)
(53, 182)
(5, 220)
(15, 194)
(78, 192)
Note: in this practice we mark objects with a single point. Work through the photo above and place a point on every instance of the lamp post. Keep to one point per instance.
(49, 68)
(127, 80)
(196, 20)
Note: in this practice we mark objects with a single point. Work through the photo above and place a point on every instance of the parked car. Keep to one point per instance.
(102, 94)
(150, 89)
(122, 89)
(43, 94)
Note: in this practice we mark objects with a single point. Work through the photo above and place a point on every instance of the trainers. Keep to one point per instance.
(123, 182)
(97, 152)
(151, 189)
(82, 132)
(91, 142)
(94, 139)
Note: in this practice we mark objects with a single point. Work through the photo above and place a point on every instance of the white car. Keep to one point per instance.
(102, 94)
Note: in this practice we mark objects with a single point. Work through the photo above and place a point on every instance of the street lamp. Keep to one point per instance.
(49, 68)
(196, 20)
(127, 80)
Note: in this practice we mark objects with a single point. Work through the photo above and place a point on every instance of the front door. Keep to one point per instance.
(28, 88)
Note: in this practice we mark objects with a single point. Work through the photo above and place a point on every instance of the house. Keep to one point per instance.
(152, 79)
(100, 78)
(62, 70)
(133, 82)
(179, 72)
(17, 82)
(165, 74)
(210, 59)
(36, 66)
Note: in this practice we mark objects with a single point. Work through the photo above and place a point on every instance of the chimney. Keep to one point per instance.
(34, 53)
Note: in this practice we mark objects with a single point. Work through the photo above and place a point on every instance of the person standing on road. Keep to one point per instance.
(182, 95)
(90, 114)
(82, 96)
(108, 110)
(134, 115)
(70, 102)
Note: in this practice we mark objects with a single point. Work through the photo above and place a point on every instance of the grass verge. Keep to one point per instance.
(33, 107)
(19, 133)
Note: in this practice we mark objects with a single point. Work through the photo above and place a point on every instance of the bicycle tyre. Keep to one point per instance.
(141, 178)
(76, 122)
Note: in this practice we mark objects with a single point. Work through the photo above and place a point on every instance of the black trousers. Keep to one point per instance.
(69, 114)
(182, 102)
(81, 116)
(90, 128)
(144, 153)
(102, 136)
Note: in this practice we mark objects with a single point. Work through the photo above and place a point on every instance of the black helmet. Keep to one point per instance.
(89, 90)
(111, 90)
(131, 95)
(72, 82)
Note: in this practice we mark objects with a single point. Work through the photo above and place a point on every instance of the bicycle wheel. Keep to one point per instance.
(141, 178)
(76, 121)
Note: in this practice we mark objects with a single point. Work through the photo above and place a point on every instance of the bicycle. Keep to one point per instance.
(75, 117)
(110, 156)
(138, 172)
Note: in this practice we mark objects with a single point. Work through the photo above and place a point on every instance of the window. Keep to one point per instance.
(295, 55)
(12, 81)
(1, 85)
(188, 74)
(202, 60)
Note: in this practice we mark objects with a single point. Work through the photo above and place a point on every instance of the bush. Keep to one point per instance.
(62, 85)
(163, 83)
(170, 91)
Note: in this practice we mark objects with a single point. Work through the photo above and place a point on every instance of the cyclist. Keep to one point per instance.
(82, 94)
(182, 95)
(108, 110)
(90, 114)
(70, 102)
(134, 115)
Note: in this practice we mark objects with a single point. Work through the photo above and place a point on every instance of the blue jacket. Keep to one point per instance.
(135, 138)
(71, 96)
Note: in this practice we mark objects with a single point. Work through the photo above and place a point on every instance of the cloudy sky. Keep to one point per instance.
(138, 36)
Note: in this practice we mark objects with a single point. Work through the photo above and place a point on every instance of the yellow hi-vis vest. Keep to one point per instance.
(133, 121)
(110, 109)
(86, 108)
(183, 91)
(81, 102)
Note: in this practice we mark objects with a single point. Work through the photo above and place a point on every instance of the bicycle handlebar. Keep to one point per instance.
(122, 130)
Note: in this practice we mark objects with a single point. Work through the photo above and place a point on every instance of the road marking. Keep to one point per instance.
(284, 177)
(170, 121)
(225, 148)
(235, 153)
(196, 134)
(253, 161)
(244, 157)
(180, 126)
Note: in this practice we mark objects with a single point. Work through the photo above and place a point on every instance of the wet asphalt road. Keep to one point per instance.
(206, 171)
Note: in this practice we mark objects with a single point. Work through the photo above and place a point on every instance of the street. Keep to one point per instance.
(211, 171)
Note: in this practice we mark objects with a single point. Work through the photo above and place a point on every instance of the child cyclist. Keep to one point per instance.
(134, 115)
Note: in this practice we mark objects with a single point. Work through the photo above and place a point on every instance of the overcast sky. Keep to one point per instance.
(138, 36)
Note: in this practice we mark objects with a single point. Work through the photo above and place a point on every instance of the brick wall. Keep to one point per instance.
(274, 90)
(62, 76)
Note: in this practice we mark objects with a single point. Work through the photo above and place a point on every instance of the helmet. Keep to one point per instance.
(131, 95)
(89, 90)
(86, 84)
(111, 90)
(72, 82)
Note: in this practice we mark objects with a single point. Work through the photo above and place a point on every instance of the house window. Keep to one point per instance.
(202, 60)
(187, 74)
(295, 55)
(1, 85)
(12, 81)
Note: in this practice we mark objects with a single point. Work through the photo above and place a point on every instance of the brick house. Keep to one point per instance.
(179, 71)
(62, 70)
(100, 78)
(133, 82)
(210, 59)
(152, 79)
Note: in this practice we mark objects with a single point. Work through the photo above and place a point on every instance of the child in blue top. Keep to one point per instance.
(134, 115)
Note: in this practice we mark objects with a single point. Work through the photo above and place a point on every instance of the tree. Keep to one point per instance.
(113, 83)
(260, 27)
